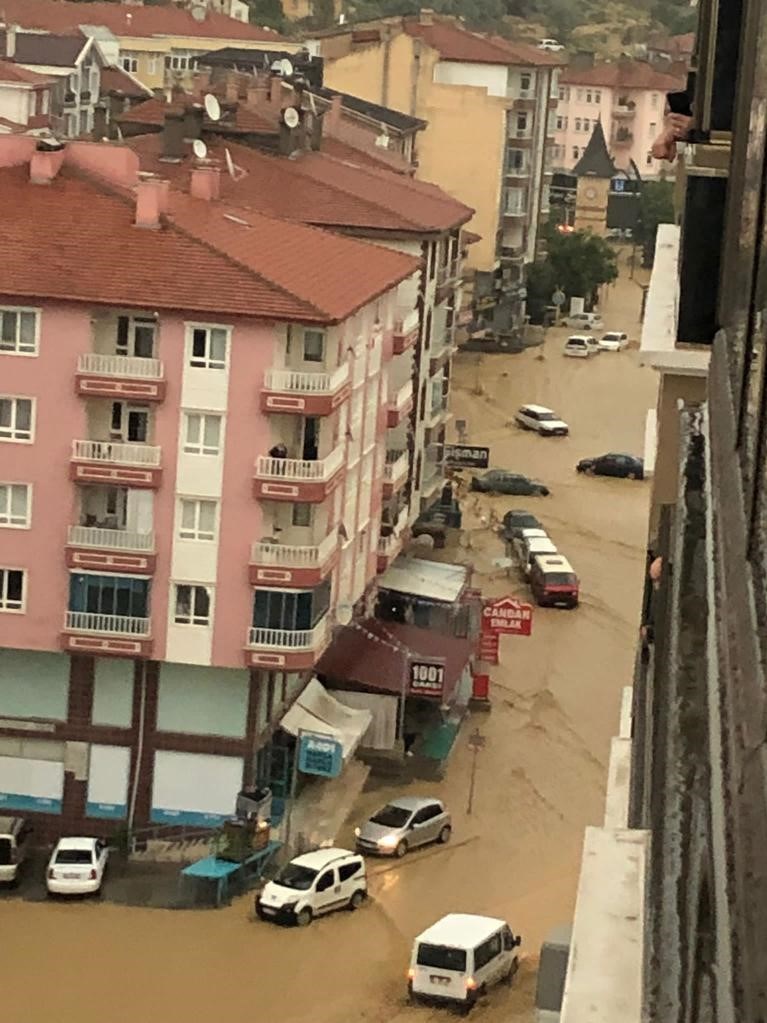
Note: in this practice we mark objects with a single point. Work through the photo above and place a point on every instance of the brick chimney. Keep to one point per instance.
(258, 94)
(201, 82)
(275, 92)
(426, 16)
(45, 163)
(205, 182)
(193, 115)
(333, 114)
(173, 137)
(10, 41)
(151, 201)
(232, 89)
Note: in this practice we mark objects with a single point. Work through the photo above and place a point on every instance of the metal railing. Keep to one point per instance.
(406, 322)
(288, 639)
(289, 555)
(293, 381)
(120, 366)
(109, 451)
(114, 625)
(300, 468)
(395, 466)
(402, 398)
(515, 209)
(114, 539)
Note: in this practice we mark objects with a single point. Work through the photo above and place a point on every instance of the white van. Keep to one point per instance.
(313, 884)
(460, 957)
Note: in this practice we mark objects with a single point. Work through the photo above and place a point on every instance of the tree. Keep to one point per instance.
(656, 206)
(578, 263)
(267, 13)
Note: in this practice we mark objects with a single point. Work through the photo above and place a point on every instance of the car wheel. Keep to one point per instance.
(304, 918)
(401, 850)
(444, 835)
(544, 491)
(356, 900)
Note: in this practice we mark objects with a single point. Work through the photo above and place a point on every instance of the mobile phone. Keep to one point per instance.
(679, 103)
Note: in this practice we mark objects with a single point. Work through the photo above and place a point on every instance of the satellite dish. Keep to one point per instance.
(424, 540)
(286, 68)
(343, 614)
(290, 117)
(382, 141)
(212, 107)
(198, 13)
(199, 149)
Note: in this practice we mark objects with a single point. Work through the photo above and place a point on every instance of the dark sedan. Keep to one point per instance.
(623, 466)
(498, 481)
(515, 521)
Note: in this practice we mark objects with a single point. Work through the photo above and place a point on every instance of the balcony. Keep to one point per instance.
(120, 377)
(276, 564)
(299, 479)
(433, 479)
(442, 349)
(307, 394)
(405, 331)
(518, 172)
(521, 134)
(119, 635)
(286, 649)
(622, 138)
(523, 99)
(390, 546)
(396, 472)
(437, 414)
(70, 100)
(97, 548)
(625, 111)
(515, 208)
(118, 464)
(400, 405)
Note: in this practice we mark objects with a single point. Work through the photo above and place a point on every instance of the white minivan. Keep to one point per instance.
(312, 885)
(458, 958)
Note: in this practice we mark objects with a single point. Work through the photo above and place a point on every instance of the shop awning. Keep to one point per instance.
(431, 580)
(315, 710)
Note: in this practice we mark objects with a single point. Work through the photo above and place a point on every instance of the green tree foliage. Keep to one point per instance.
(267, 13)
(656, 206)
(578, 263)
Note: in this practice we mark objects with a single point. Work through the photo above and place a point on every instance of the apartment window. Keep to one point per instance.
(597, 96)
(653, 126)
(515, 160)
(129, 422)
(109, 595)
(209, 346)
(192, 605)
(46, 101)
(585, 124)
(648, 161)
(576, 152)
(521, 123)
(14, 505)
(198, 519)
(180, 61)
(525, 81)
(314, 346)
(564, 93)
(588, 97)
(293, 610)
(561, 124)
(135, 336)
(654, 100)
(129, 63)
(16, 419)
(202, 433)
(18, 331)
(12, 587)
(151, 65)
(302, 514)
(580, 95)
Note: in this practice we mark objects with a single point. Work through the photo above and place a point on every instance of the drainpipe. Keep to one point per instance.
(416, 66)
(139, 748)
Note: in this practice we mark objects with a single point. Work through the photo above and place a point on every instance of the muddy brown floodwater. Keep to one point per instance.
(540, 779)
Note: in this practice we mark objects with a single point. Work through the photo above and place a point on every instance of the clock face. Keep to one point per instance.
(591, 193)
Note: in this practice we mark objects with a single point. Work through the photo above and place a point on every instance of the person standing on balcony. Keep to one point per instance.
(279, 452)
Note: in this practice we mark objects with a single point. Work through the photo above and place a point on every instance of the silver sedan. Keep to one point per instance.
(404, 824)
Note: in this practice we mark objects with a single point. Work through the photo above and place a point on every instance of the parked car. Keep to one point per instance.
(314, 884)
(404, 824)
(581, 346)
(77, 866)
(498, 481)
(613, 341)
(542, 420)
(436, 520)
(552, 45)
(15, 840)
(624, 466)
(553, 582)
(458, 958)
(530, 547)
(584, 321)
(515, 521)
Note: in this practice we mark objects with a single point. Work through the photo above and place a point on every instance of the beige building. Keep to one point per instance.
(489, 106)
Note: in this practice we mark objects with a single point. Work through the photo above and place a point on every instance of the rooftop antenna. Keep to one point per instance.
(212, 107)
(119, 133)
(235, 173)
(199, 149)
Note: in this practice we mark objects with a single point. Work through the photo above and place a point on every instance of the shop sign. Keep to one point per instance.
(507, 614)
(487, 649)
(427, 678)
(459, 456)
(319, 754)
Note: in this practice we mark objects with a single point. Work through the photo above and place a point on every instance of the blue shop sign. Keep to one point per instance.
(320, 754)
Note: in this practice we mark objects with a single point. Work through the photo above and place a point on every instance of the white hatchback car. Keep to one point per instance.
(613, 341)
(584, 321)
(581, 346)
(77, 866)
(542, 420)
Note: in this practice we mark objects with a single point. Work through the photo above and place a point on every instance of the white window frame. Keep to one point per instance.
(194, 532)
(578, 123)
(151, 64)
(190, 619)
(4, 578)
(598, 96)
(206, 361)
(129, 62)
(18, 312)
(15, 399)
(6, 505)
(199, 447)
(311, 332)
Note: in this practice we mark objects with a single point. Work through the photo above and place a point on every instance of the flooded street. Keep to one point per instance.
(540, 778)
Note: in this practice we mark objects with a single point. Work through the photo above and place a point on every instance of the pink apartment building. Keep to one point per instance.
(193, 422)
(628, 96)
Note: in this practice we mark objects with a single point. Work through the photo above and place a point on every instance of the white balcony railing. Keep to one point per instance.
(114, 625)
(120, 366)
(293, 382)
(292, 556)
(289, 639)
(300, 468)
(113, 539)
(402, 398)
(406, 322)
(516, 208)
(397, 467)
(109, 451)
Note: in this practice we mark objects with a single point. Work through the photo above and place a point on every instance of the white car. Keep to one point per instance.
(584, 321)
(581, 346)
(613, 341)
(542, 420)
(77, 866)
(552, 45)
(313, 884)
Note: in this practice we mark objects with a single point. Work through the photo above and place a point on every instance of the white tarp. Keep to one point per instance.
(382, 730)
(430, 579)
(316, 711)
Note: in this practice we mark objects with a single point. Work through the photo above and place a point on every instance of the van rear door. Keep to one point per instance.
(440, 971)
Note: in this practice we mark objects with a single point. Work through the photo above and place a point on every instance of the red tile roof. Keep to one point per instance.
(634, 74)
(116, 80)
(319, 189)
(365, 158)
(245, 121)
(207, 257)
(458, 44)
(131, 20)
(10, 72)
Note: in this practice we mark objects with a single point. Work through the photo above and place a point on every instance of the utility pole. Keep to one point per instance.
(476, 743)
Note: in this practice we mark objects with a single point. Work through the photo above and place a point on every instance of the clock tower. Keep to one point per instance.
(594, 171)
